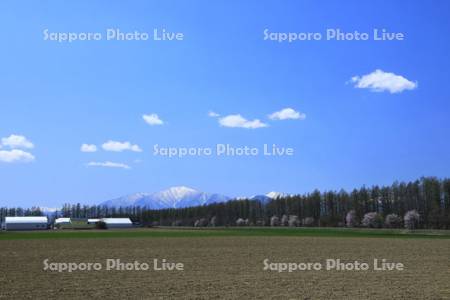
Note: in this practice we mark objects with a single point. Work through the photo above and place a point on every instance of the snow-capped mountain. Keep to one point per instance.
(275, 195)
(129, 200)
(179, 197)
(174, 197)
(268, 197)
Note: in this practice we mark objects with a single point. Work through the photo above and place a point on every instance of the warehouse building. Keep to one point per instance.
(93, 221)
(117, 223)
(62, 221)
(26, 223)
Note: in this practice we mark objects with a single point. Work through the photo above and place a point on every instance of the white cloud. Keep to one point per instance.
(241, 122)
(15, 155)
(17, 141)
(120, 146)
(152, 119)
(108, 164)
(286, 114)
(379, 81)
(88, 148)
(213, 114)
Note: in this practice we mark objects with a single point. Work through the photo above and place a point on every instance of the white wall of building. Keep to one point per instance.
(26, 223)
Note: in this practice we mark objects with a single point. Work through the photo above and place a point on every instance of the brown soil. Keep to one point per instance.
(226, 268)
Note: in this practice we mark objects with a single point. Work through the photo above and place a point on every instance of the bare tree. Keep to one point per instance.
(240, 222)
(373, 220)
(350, 219)
(201, 223)
(274, 221)
(411, 219)
(213, 221)
(293, 221)
(393, 221)
(308, 221)
(284, 220)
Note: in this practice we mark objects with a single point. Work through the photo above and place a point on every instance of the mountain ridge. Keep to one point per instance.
(178, 197)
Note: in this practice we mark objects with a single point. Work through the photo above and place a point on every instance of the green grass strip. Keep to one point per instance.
(225, 232)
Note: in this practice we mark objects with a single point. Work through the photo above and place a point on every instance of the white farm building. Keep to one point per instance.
(26, 223)
(117, 222)
(63, 221)
(93, 221)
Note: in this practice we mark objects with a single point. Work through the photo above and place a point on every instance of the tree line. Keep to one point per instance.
(428, 198)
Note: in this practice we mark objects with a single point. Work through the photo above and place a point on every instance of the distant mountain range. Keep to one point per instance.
(269, 196)
(178, 197)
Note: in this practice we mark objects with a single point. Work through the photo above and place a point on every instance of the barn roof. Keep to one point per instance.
(21, 220)
(62, 220)
(117, 220)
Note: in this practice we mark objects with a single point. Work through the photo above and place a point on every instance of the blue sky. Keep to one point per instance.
(61, 95)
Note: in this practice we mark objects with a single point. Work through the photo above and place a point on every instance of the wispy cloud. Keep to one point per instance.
(287, 114)
(17, 141)
(115, 146)
(152, 119)
(15, 155)
(213, 114)
(88, 148)
(379, 81)
(108, 164)
(237, 121)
